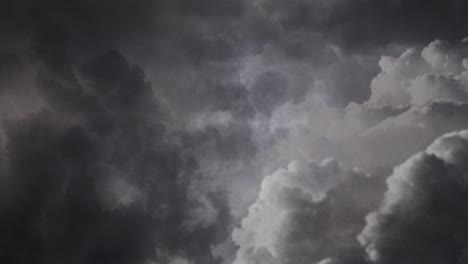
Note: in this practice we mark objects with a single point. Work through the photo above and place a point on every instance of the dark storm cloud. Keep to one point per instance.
(367, 23)
(53, 213)
(140, 27)
(100, 166)
(164, 34)
(93, 177)
(184, 31)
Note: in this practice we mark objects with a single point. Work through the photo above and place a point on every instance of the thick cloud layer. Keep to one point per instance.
(92, 175)
(364, 23)
(101, 166)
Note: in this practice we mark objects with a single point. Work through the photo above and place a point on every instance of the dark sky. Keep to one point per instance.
(182, 131)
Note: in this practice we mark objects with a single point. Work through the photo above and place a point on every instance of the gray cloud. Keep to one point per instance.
(92, 176)
(307, 212)
(363, 23)
(422, 216)
(238, 89)
(374, 135)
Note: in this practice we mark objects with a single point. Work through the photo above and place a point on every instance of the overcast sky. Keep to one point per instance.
(233, 131)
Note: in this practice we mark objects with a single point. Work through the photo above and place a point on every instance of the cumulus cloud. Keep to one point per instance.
(306, 212)
(416, 97)
(430, 84)
(422, 216)
(417, 77)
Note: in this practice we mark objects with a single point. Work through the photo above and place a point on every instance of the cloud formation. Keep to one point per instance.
(102, 166)
(422, 216)
(93, 176)
(307, 212)
(416, 98)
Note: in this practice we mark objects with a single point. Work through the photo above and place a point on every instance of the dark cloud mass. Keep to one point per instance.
(93, 177)
(200, 132)
(366, 23)
(422, 217)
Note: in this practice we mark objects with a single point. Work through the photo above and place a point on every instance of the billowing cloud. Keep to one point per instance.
(415, 98)
(309, 212)
(422, 217)
(171, 153)
(416, 77)
(93, 176)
